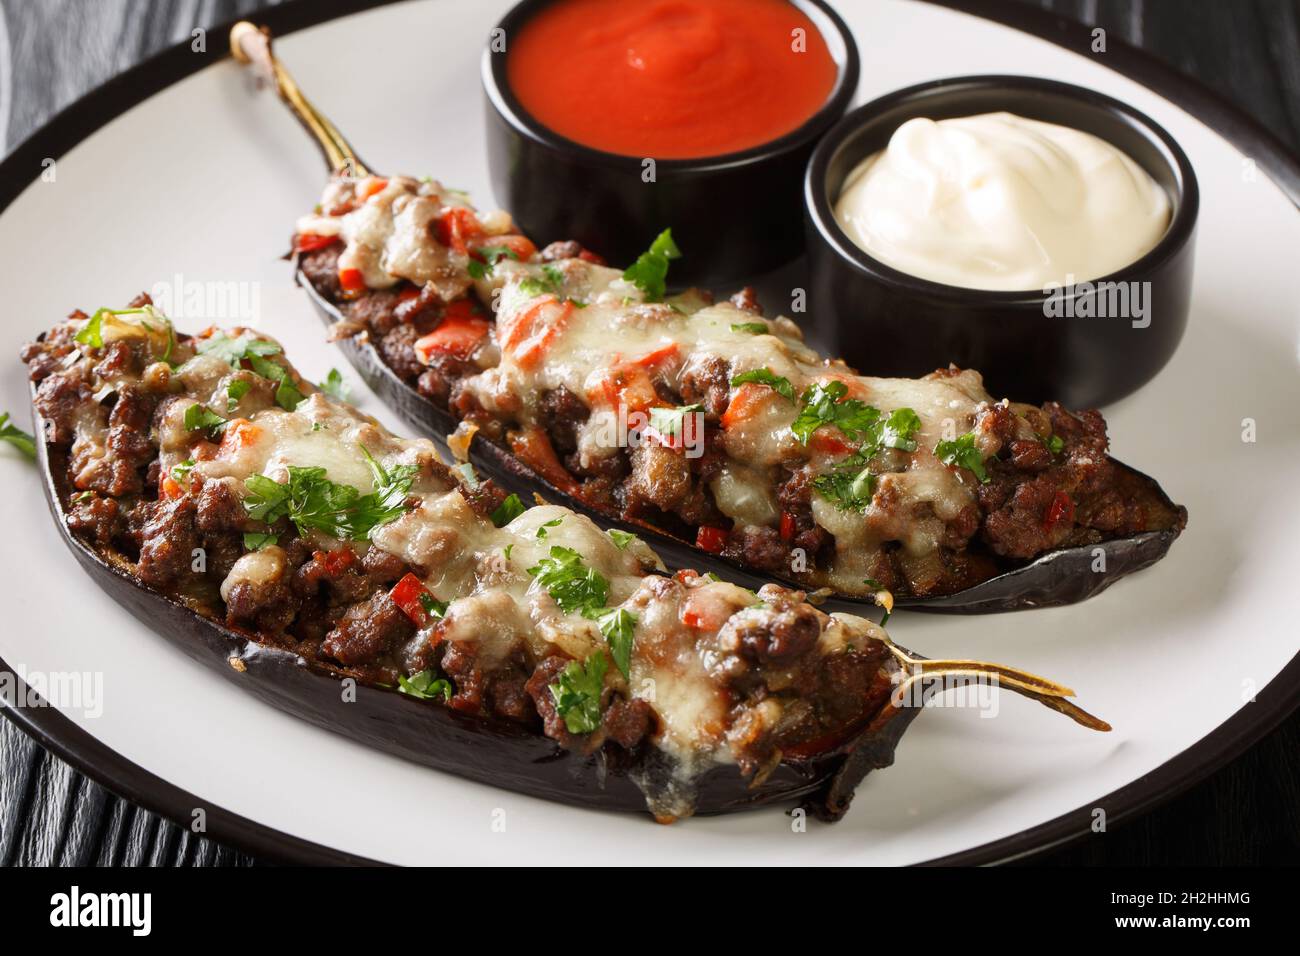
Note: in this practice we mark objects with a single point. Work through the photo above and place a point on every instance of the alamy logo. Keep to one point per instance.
(212, 301)
(974, 691)
(1099, 300)
(66, 690)
(103, 909)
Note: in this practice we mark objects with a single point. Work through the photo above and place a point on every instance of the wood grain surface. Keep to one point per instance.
(52, 51)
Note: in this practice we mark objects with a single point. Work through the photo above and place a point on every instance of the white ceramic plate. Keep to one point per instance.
(203, 181)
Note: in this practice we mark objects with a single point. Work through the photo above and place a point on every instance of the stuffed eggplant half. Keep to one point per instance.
(286, 538)
(705, 423)
(710, 422)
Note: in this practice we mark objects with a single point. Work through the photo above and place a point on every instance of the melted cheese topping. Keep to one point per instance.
(914, 500)
(483, 571)
(388, 234)
(581, 327)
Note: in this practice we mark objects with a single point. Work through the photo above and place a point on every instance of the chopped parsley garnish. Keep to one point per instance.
(425, 685)
(491, 256)
(180, 471)
(15, 436)
(669, 421)
(257, 540)
(753, 328)
(824, 404)
(508, 511)
(963, 453)
(235, 391)
(650, 271)
(255, 351)
(313, 502)
(579, 589)
(553, 523)
(171, 345)
(287, 395)
(897, 430)
(334, 386)
(552, 282)
(577, 691)
(201, 418)
(92, 333)
(850, 487)
(233, 351)
(621, 539)
(765, 376)
(571, 584)
(1055, 444)
(432, 606)
(618, 626)
(851, 484)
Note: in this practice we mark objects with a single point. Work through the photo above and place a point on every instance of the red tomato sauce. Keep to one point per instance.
(670, 79)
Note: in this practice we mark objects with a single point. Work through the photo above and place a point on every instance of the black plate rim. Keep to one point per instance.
(84, 116)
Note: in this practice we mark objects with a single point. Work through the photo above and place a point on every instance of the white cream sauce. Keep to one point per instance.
(998, 201)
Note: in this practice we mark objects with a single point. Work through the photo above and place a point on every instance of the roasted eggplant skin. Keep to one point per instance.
(489, 751)
(1065, 576)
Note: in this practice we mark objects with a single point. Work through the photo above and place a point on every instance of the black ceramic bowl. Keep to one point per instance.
(733, 215)
(886, 322)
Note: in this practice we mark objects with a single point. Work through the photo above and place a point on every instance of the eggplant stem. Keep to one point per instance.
(251, 46)
(1046, 692)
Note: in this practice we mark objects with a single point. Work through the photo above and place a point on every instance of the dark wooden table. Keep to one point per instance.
(1247, 50)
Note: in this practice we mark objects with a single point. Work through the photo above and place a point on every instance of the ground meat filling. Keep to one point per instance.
(331, 606)
(368, 632)
(625, 722)
(1036, 502)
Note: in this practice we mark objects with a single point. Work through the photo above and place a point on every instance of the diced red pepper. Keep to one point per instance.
(660, 357)
(310, 242)
(460, 309)
(370, 186)
(170, 488)
(711, 539)
(745, 404)
(336, 561)
(705, 610)
(534, 449)
(787, 526)
(457, 227)
(455, 335)
(586, 255)
(521, 246)
(351, 281)
(625, 384)
(831, 441)
(531, 333)
(239, 433)
(1061, 509)
(407, 594)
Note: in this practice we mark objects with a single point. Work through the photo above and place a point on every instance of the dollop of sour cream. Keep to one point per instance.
(997, 201)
